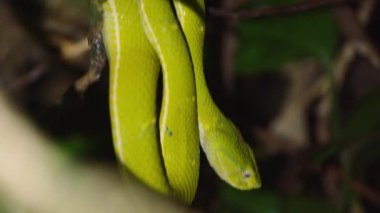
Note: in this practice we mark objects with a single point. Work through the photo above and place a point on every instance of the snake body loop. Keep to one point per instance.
(134, 69)
(225, 148)
(178, 119)
(140, 36)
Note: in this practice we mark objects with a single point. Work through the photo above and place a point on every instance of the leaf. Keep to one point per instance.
(370, 152)
(364, 119)
(302, 204)
(75, 145)
(233, 200)
(269, 43)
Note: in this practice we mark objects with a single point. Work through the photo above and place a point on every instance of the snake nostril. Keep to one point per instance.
(169, 131)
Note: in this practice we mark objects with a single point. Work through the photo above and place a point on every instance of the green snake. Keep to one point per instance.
(141, 36)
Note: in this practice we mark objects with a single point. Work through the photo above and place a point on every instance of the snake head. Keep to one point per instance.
(231, 158)
(238, 172)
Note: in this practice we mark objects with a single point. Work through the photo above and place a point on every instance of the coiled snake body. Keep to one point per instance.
(141, 36)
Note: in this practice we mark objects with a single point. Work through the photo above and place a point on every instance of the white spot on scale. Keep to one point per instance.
(193, 163)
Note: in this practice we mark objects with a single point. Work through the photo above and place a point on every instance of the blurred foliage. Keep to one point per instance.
(364, 119)
(269, 43)
(270, 202)
(360, 128)
(3, 208)
(366, 155)
(77, 145)
(256, 201)
(80, 6)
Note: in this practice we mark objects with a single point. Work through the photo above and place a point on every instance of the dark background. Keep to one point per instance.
(303, 87)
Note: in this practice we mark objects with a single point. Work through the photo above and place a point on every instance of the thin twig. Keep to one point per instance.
(32, 76)
(357, 42)
(276, 10)
(366, 192)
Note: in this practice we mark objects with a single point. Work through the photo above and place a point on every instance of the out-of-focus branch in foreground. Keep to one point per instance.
(36, 177)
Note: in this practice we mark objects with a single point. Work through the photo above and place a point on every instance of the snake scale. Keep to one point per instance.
(162, 149)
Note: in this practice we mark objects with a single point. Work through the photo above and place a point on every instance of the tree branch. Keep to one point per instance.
(276, 10)
(36, 177)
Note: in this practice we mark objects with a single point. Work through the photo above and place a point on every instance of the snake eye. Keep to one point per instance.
(246, 174)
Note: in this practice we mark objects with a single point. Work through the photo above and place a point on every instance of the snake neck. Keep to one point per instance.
(208, 113)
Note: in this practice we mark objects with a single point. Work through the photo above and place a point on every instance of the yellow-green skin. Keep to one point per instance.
(133, 79)
(178, 119)
(134, 69)
(141, 35)
(228, 154)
